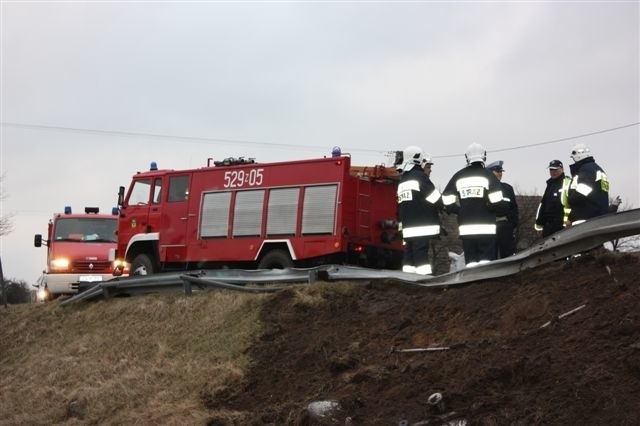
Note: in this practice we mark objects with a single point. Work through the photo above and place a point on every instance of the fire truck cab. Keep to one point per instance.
(78, 247)
(243, 214)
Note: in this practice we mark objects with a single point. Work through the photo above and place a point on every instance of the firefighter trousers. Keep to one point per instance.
(505, 240)
(479, 248)
(416, 251)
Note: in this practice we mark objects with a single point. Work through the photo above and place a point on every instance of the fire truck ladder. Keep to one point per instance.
(363, 207)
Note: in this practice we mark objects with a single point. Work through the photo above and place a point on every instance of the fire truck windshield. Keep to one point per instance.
(86, 229)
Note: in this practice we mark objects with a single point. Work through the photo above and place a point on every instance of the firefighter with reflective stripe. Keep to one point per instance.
(419, 204)
(553, 210)
(474, 194)
(507, 215)
(588, 193)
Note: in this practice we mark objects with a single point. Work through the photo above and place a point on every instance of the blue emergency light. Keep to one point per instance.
(67, 209)
(153, 166)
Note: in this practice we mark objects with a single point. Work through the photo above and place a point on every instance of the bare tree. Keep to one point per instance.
(526, 234)
(6, 222)
(631, 243)
(17, 291)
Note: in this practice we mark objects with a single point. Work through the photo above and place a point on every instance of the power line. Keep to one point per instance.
(196, 139)
(584, 135)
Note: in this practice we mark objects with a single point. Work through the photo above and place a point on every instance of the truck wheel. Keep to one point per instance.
(142, 265)
(50, 296)
(276, 259)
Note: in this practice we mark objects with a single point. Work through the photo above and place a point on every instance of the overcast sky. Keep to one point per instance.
(92, 92)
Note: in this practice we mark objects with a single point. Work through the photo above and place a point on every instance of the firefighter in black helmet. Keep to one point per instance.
(553, 210)
(506, 215)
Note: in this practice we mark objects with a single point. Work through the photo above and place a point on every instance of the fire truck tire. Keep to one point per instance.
(51, 296)
(276, 259)
(142, 265)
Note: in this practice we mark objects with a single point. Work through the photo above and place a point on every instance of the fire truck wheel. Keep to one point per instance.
(276, 259)
(142, 265)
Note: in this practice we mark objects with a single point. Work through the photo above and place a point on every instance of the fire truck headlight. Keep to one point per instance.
(120, 267)
(60, 264)
(42, 295)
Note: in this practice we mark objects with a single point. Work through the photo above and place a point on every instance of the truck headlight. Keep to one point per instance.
(60, 264)
(120, 267)
(42, 295)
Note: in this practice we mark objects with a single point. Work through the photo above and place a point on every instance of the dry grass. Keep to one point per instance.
(141, 360)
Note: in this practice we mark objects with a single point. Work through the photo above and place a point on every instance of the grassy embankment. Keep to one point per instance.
(129, 360)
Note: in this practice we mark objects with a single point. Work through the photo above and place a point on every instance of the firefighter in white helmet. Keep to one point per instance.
(419, 206)
(588, 192)
(474, 193)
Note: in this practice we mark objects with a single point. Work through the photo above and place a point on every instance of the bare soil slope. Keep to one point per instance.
(503, 366)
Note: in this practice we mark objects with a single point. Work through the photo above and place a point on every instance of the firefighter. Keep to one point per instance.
(588, 192)
(507, 215)
(474, 193)
(553, 210)
(419, 206)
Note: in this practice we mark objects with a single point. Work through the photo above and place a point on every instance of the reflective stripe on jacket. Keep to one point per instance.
(419, 204)
(478, 193)
(553, 209)
(588, 192)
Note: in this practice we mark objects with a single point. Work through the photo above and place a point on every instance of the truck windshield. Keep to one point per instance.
(86, 229)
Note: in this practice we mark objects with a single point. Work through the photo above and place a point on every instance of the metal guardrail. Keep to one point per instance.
(570, 241)
(580, 238)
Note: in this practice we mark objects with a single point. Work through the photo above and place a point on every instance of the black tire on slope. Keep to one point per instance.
(142, 265)
(276, 259)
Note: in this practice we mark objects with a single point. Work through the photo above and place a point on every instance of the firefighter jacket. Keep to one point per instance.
(507, 209)
(478, 193)
(553, 210)
(419, 204)
(588, 193)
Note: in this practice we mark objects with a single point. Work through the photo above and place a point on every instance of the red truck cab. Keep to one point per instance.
(78, 246)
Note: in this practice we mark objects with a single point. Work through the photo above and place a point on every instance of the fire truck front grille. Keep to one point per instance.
(89, 267)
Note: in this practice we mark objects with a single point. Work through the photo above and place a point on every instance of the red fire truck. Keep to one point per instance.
(78, 250)
(242, 214)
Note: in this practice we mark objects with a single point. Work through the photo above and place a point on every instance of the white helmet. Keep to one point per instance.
(475, 152)
(414, 156)
(580, 152)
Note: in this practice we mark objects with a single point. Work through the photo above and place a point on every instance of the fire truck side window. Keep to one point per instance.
(178, 188)
(140, 192)
(157, 190)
